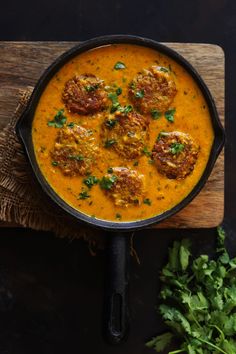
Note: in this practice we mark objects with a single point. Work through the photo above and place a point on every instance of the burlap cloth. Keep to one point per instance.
(22, 200)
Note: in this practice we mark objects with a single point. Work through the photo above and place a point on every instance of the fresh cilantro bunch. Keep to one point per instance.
(199, 301)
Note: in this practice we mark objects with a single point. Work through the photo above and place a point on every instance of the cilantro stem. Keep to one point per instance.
(177, 351)
(211, 345)
(219, 330)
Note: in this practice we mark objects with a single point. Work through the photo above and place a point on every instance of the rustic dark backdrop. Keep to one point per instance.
(51, 290)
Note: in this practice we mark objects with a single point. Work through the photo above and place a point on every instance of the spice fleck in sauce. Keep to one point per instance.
(118, 65)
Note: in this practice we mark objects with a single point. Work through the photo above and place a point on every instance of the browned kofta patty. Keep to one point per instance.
(74, 151)
(84, 94)
(124, 186)
(125, 133)
(175, 154)
(152, 89)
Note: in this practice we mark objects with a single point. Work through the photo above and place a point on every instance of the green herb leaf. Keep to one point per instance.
(147, 201)
(110, 170)
(76, 157)
(55, 163)
(165, 70)
(84, 195)
(119, 66)
(184, 253)
(199, 300)
(126, 109)
(159, 343)
(170, 115)
(110, 123)
(119, 91)
(109, 143)
(59, 120)
(118, 216)
(176, 148)
(71, 125)
(115, 103)
(139, 94)
(90, 88)
(108, 182)
(155, 114)
(90, 181)
(147, 152)
(135, 163)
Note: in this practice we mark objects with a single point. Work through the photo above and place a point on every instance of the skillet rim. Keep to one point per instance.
(24, 129)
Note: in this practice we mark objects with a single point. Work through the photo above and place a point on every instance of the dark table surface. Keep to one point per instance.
(51, 290)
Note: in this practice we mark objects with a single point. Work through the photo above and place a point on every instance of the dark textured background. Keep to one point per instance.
(51, 290)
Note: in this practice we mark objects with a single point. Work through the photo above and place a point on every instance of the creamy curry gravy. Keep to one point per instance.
(191, 116)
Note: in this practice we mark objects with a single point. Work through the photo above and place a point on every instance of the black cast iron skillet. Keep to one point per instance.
(116, 309)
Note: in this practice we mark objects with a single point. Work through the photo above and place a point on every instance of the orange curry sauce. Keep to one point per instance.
(192, 116)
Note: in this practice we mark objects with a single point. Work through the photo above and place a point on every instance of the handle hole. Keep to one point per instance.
(116, 310)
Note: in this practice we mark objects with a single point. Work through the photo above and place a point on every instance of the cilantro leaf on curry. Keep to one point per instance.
(84, 195)
(139, 94)
(119, 66)
(176, 148)
(109, 143)
(107, 182)
(59, 120)
(90, 181)
(155, 114)
(169, 115)
(146, 151)
(147, 201)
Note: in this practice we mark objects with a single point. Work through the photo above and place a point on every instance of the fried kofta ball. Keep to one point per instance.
(175, 154)
(152, 89)
(124, 186)
(74, 151)
(84, 94)
(126, 133)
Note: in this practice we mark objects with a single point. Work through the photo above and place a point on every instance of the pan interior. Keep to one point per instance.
(187, 113)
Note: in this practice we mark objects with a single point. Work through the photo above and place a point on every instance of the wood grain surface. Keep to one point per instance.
(22, 63)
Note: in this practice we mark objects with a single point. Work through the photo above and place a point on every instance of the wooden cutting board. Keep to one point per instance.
(22, 63)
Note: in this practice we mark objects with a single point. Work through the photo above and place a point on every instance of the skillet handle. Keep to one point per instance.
(116, 314)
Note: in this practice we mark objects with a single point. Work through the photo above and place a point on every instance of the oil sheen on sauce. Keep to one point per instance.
(192, 116)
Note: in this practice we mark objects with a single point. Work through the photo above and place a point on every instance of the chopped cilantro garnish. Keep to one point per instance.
(55, 163)
(114, 99)
(90, 88)
(84, 195)
(170, 115)
(108, 182)
(119, 66)
(90, 181)
(146, 152)
(109, 143)
(71, 125)
(59, 120)
(176, 148)
(147, 201)
(161, 134)
(132, 85)
(125, 109)
(110, 170)
(118, 216)
(155, 114)
(76, 157)
(165, 70)
(139, 94)
(119, 91)
(110, 123)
